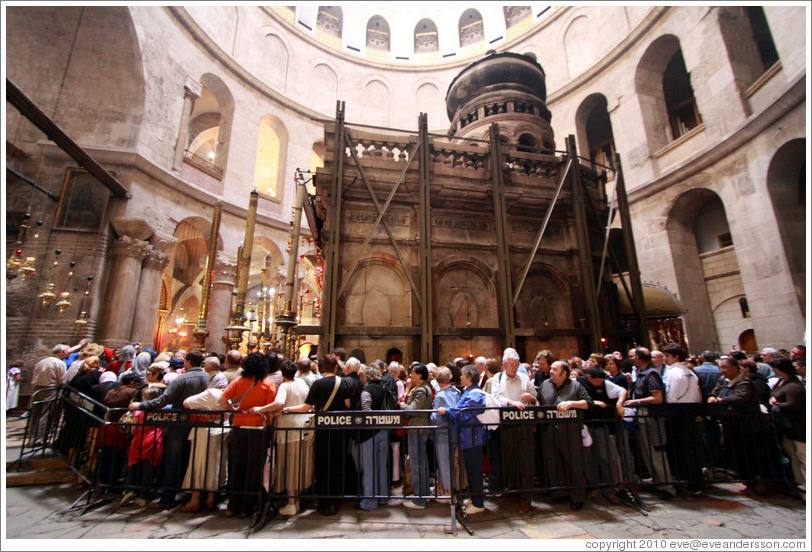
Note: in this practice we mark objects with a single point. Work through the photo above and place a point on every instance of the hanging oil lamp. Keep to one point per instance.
(48, 295)
(28, 269)
(64, 302)
(13, 264)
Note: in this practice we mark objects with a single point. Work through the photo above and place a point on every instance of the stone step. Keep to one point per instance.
(38, 471)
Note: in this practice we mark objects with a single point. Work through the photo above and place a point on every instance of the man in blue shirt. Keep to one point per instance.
(708, 373)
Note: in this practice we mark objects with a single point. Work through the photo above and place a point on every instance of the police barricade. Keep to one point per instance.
(154, 455)
(691, 445)
(351, 456)
(66, 423)
(43, 422)
(543, 450)
(348, 455)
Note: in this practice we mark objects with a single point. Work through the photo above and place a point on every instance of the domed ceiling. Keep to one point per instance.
(409, 33)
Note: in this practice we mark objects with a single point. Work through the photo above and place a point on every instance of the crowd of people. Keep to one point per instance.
(267, 446)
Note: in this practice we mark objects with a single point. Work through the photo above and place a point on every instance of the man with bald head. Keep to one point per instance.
(233, 362)
(304, 372)
(514, 443)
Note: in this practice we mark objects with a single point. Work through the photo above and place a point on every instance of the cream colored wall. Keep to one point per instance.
(583, 50)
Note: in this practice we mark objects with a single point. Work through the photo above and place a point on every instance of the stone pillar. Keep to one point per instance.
(192, 91)
(222, 286)
(120, 301)
(147, 299)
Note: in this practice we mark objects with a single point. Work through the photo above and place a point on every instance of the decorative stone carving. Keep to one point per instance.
(192, 87)
(225, 272)
(156, 260)
(130, 247)
(133, 227)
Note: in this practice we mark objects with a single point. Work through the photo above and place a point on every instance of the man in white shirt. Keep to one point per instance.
(218, 379)
(684, 432)
(233, 361)
(682, 385)
(513, 388)
(48, 373)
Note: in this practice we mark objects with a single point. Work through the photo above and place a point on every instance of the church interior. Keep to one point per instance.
(413, 181)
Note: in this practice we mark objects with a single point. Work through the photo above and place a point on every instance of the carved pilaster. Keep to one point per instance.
(145, 316)
(126, 255)
(223, 281)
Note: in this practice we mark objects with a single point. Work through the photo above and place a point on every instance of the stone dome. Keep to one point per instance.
(495, 72)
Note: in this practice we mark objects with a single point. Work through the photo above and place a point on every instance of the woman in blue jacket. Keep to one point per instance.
(473, 435)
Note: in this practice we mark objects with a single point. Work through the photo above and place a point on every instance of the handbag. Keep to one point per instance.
(310, 424)
(127, 420)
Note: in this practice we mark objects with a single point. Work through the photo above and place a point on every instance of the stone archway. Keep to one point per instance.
(786, 184)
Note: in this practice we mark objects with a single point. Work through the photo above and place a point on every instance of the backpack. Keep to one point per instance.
(391, 398)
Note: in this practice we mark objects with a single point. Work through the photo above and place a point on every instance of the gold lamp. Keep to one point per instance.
(48, 295)
(28, 270)
(64, 302)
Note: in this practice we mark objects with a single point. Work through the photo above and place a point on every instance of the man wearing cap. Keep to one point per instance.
(175, 365)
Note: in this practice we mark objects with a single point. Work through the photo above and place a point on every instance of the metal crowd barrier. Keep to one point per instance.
(359, 455)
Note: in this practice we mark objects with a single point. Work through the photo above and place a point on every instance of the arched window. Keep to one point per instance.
(209, 132)
(711, 228)
(470, 27)
(595, 131)
(749, 44)
(516, 14)
(762, 36)
(744, 307)
(330, 21)
(426, 39)
(683, 114)
(270, 162)
(204, 128)
(527, 143)
(664, 90)
(378, 37)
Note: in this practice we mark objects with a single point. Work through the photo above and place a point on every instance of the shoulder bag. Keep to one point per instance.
(310, 424)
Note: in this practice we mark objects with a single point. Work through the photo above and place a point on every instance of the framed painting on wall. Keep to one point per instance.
(82, 203)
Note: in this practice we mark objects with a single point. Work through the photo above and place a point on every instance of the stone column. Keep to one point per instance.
(222, 286)
(120, 300)
(192, 91)
(147, 299)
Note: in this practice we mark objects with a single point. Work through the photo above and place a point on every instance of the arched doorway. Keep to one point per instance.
(747, 341)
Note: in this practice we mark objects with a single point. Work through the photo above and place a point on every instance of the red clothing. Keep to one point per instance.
(116, 368)
(264, 392)
(147, 443)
